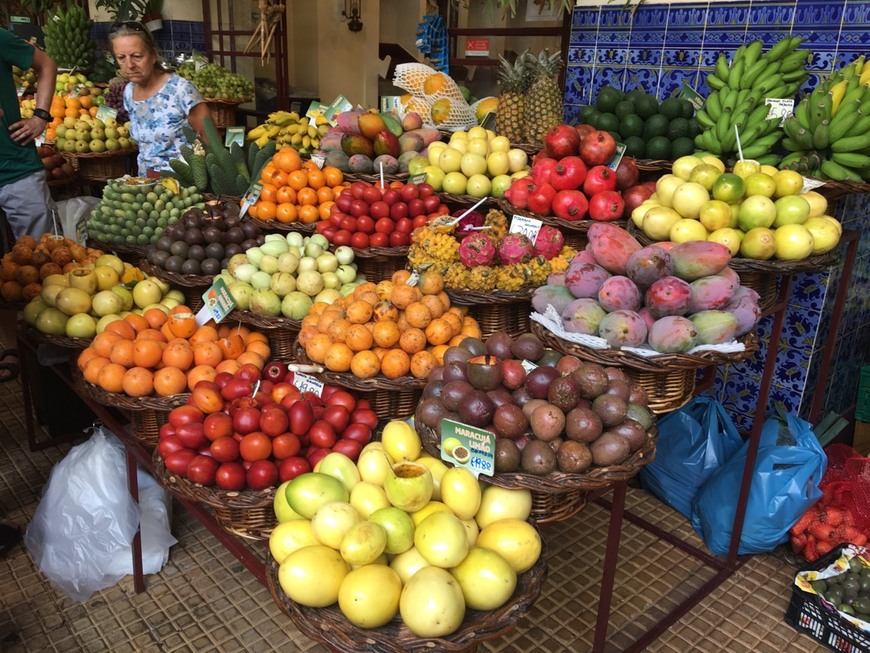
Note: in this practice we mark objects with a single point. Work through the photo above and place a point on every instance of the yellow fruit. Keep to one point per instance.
(435, 83)
(441, 110)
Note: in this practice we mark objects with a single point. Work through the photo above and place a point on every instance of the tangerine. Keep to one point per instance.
(262, 349)
(147, 352)
(122, 328)
(287, 160)
(103, 343)
(266, 210)
(252, 358)
(122, 353)
(87, 354)
(156, 317)
(200, 373)
(91, 372)
(207, 353)
(297, 180)
(138, 382)
(308, 214)
(286, 195)
(169, 381)
(205, 333)
(138, 322)
(111, 377)
(338, 357)
(286, 213)
(179, 354)
(269, 193)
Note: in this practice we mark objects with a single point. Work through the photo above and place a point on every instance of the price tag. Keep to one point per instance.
(234, 135)
(690, 94)
(413, 279)
(488, 121)
(617, 158)
(338, 105)
(218, 303)
(418, 179)
(307, 383)
(389, 103)
(319, 160)
(469, 447)
(105, 112)
(529, 227)
(250, 197)
(810, 184)
(528, 366)
(315, 109)
(780, 108)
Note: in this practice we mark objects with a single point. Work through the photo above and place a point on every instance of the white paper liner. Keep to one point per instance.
(552, 321)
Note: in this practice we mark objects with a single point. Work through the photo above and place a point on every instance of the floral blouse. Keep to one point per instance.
(156, 123)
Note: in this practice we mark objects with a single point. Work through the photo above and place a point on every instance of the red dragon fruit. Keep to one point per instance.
(477, 249)
(515, 248)
(549, 242)
(465, 226)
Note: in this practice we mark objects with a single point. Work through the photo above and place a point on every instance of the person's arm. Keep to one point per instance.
(24, 131)
(197, 117)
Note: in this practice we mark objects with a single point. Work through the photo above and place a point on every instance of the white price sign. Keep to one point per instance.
(319, 160)
(528, 366)
(307, 383)
(529, 227)
(780, 108)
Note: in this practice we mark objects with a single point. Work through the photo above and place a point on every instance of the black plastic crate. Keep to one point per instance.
(820, 620)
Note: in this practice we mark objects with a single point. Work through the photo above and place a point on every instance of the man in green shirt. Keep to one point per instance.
(24, 195)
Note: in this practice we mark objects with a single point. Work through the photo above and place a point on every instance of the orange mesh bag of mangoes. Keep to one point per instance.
(434, 95)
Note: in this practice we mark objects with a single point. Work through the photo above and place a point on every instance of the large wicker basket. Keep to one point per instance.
(330, 627)
(101, 166)
(126, 252)
(66, 342)
(574, 231)
(380, 263)
(281, 332)
(499, 310)
(248, 513)
(223, 112)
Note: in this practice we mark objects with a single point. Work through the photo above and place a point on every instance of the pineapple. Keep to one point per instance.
(543, 106)
(514, 81)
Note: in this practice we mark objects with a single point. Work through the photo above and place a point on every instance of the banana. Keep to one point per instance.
(729, 143)
(790, 126)
(312, 131)
(714, 105)
(802, 114)
(852, 143)
(262, 141)
(755, 150)
(723, 127)
(797, 60)
(804, 138)
(753, 52)
(722, 69)
(822, 135)
(736, 72)
(860, 127)
(738, 117)
(704, 119)
(779, 50)
(711, 144)
(865, 76)
(852, 160)
(768, 159)
(842, 122)
(753, 73)
(839, 172)
(791, 146)
(838, 92)
(256, 132)
(714, 82)
(729, 101)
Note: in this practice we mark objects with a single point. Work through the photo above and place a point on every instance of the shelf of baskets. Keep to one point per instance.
(379, 263)
(498, 310)
(280, 331)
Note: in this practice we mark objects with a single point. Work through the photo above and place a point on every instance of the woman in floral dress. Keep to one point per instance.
(160, 103)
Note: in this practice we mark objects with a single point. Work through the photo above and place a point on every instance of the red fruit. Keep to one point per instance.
(379, 209)
(246, 420)
(391, 196)
(371, 194)
(339, 397)
(542, 170)
(404, 225)
(415, 207)
(606, 206)
(286, 445)
(568, 174)
(599, 179)
(421, 221)
(343, 201)
(185, 415)
(409, 192)
(274, 421)
(178, 461)
(349, 223)
(431, 203)
(222, 379)
(597, 148)
(399, 239)
(225, 450)
(202, 470)
(627, 173)
(191, 435)
(358, 432)
(364, 416)
(301, 417)
(425, 190)
(385, 226)
(365, 224)
(326, 230)
(570, 205)
(230, 476)
(350, 448)
(379, 240)
(399, 210)
(236, 389)
(316, 454)
(217, 425)
(337, 416)
(634, 197)
(357, 189)
(518, 193)
(292, 467)
(583, 130)
(169, 444)
(167, 430)
(342, 237)
(360, 240)
(322, 434)
(207, 397)
(562, 141)
(541, 199)
(262, 474)
(334, 219)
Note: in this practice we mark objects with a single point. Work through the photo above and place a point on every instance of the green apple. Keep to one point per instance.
(756, 211)
(450, 160)
(97, 146)
(759, 183)
(124, 142)
(97, 133)
(434, 177)
(454, 183)
(791, 209)
(110, 123)
(82, 147)
(479, 186)
(112, 144)
(472, 164)
(715, 214)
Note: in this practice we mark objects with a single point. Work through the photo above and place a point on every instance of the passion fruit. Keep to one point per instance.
(538, 458)
(484, 372)
(476, 408)
(592, 380)
(527, 347)
(610, 408)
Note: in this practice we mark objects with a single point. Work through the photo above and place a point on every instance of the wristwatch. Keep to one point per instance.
(42, 113)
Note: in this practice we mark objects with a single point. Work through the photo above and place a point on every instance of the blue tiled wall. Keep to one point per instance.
(177, 37)
(661, 46)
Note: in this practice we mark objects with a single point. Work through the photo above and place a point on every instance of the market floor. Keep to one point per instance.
(204, 600)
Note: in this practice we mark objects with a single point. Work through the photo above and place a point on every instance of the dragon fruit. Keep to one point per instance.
(515, 248)
(477, 249)
(549, 242)
(465, 226)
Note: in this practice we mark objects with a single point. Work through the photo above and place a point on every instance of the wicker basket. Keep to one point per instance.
(248, 513)
(380, 263)
(281, 332)
(765, 284)
(175, 278)
(375, 177)
(129, 253)
(223, 112)
(389, 398)
(465, 201)
(330, 627)
(101, 166)
(666, 391)
(273, 226)
(595, 478)
(574, 231)
(496, 311)
(60, 341)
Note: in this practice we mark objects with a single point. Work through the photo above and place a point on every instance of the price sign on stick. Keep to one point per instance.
(307, 383)
(469, 447)
(780, 108)
(218, 303)
(529, 227)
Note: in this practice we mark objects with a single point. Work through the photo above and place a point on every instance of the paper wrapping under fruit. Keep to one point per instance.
(804, 579)
(412, 76)
(552, 321)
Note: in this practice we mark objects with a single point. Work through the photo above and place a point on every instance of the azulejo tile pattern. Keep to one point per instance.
(177, 37)
(660, 47)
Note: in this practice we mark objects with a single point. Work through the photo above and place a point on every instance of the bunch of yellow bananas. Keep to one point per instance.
(288, 128)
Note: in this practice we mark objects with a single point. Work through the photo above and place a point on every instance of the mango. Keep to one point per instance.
(646, 316)
(583, 315)
(745, 309)
(370, 124)
(611, 246)
(668, 296)
(648, 265)
(729, 273)
(405, 159)
(585, 279)
(556, 279)
(410, 142)
(428, 134)
(623, 329)
(351, 145)
(331, 142)
(551, 295)
(360, 163)
(338, 159)
(699, 258)
(390, 164)
(348, 121)
(619, 293)
(412, 121)
(672, 334)
(714, 327)
(392, 124)
(385, 143)
(710, 293)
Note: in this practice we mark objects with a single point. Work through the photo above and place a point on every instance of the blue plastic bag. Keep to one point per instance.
(694, 442)
(788, 470)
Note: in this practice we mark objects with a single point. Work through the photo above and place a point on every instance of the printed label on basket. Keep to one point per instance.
(529, 227)
(307, 383)
(617, 158)
(106, 112)
(418, 179)
(234, 135)
(250, 197)
(319, 160)
(469, 447)
(780, 108)
(528, 365)
(810, 184)
(218, 303)
(690, 94)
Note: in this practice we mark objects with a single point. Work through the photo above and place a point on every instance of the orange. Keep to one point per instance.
(333, 176)
(412, 340)
(138, 382)
(252, 211)
(251, 358)
(266, 210)
(207, 353)
(438, 353)
(298, 179)
(316, 179)
(439, 331)
(358, 337)
(262, 349)
(337, 330)
(182, 325)
(177, 310)
(200, 373)
(255, 336)
(287, 160)
(418, 315)
(286, 195)
(365, 364)
(286, 213)
(178, 353)
(422, 363)
(385, 334)
(308, 214)
(111, 377)
(436, 308)
(147, 352)
(122, 328)
(400, 276)
(169, 381)
(359, 312)
(232, 346)
(317, 347)
(227, 365)
(395, 363)
(92, 369)
(205, 333)
(269, 193)
(325, 194)
(307, 197)
(122, 353)
(338, 357)
(156, 317)
(324, 209)
(138, 322)
(152, 334)
(87, 354)
(103, 343)
(273, 176)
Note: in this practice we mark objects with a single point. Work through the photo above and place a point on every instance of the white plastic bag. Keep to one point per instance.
(84, 525)
(71, 213)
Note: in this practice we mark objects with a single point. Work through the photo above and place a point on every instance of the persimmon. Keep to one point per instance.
(316, 179)
(91, 371)
(269, 193)
(297, 180)
(179, 354)
(147, 352)
(286, 213)
(122, 353)
(121, 327)
(308, 214)
(207, 353)
(287, 160)
(286, 195)
(333, 176)
(266, 210)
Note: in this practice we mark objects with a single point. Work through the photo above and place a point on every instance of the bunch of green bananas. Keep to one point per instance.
(829, 133)
(288, 128)
(737, 98)
(68, 38)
